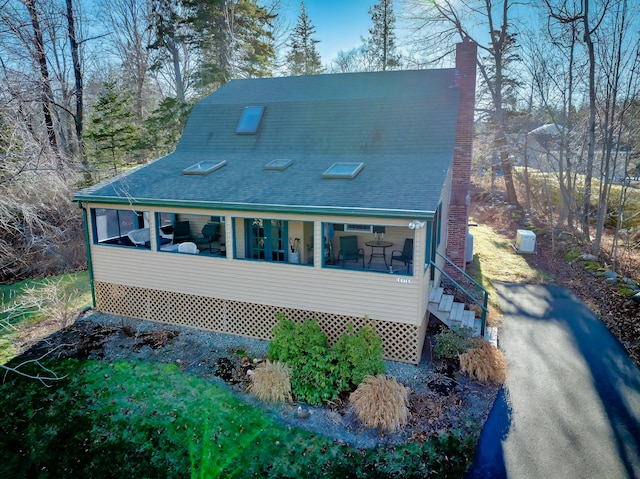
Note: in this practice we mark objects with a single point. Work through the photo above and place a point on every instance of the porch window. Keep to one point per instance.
(120, 227)
(368, 248)
(267, 240)
(273, 240)
(190, 233)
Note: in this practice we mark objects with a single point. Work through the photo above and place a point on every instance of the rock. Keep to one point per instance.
(611, 280)
(636, 297)
(588, 257)
(302, 413)
(610, 275)
(630, 282)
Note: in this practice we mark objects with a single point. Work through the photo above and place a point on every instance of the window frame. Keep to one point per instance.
(139, 220)
(250, 120)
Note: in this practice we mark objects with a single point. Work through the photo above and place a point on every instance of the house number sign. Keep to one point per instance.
(404, 280)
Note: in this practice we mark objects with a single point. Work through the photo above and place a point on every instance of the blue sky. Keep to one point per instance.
(339, 23)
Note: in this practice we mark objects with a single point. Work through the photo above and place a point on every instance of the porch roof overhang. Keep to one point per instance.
(260, 208)
(391, 186)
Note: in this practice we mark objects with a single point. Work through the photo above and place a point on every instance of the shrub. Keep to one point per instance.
(272, 382)
(449, 344)
(305, 348)
(297, 342)
(319, 373)
(358, 355)
(381, 402)
(485, 363)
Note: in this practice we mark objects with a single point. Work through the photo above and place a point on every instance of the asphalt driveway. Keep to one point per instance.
(571, 405)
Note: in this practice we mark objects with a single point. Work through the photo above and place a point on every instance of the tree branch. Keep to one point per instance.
(51, 375)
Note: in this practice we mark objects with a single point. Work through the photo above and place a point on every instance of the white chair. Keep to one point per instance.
(140, 237)
(188, 247)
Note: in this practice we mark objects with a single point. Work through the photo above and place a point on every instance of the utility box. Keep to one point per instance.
(525, 241)
(469, 252)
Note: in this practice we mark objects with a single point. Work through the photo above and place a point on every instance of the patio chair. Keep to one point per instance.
(188, 247)
(406, 255)
(210, 234)
(181, 232)
(349, 250)
(140, 237)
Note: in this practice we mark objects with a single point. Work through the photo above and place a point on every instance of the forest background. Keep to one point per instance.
(91, 88)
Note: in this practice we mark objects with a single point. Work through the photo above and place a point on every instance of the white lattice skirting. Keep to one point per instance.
(401, 342)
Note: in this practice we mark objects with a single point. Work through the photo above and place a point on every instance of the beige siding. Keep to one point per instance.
(353, 293)
(380, 296)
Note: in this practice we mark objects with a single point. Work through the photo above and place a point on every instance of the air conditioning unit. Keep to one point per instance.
(525, 241)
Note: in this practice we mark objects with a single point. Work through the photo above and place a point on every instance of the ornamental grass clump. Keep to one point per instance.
(485, 362)
(271, 382)
(381, 402)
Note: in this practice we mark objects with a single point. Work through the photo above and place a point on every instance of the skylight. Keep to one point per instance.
(343, 170)
(250, 120)
(278, 165)
(205, 167)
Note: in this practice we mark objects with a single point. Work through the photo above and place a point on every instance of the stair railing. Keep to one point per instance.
(482, 299)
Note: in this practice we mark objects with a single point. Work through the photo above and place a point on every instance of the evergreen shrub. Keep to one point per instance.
(320, 373)
(449, 344)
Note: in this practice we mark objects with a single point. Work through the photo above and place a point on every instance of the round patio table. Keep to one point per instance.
(382, 246)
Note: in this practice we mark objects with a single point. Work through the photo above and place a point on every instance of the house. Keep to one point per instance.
(329, 196)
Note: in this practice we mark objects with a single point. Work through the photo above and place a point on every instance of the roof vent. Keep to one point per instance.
(203, 168)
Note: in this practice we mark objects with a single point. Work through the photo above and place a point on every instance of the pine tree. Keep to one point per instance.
(383, 39)
(303, 58)
(112, 133)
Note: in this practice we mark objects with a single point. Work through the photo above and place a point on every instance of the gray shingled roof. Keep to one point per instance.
(400, 124)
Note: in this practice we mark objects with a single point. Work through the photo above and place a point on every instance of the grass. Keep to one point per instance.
(548, 184)
(495, 260)
(75, 286)
(138, 419)
(485, 363)
(381, 402)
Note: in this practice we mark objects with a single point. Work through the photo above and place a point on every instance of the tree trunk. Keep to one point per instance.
(591, 140)
(77, 71)
(177, 71)
(47, 93)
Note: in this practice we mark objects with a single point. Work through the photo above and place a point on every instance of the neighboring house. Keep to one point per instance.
(280, 171)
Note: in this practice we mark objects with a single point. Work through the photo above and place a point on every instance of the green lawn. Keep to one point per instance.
(495, 260)
(74, 288)
(138, 419)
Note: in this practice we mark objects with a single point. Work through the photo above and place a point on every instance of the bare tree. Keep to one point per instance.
(37, 49)
(128, 22)
(169, 42)
(555, 69)
(440, 24)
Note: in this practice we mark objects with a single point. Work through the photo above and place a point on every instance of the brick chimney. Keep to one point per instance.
(457, 228)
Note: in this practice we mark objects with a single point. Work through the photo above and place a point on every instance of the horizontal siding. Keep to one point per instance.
(314, 288)
(351, 293)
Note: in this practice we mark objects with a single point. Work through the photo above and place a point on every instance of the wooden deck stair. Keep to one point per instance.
(453, 314)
